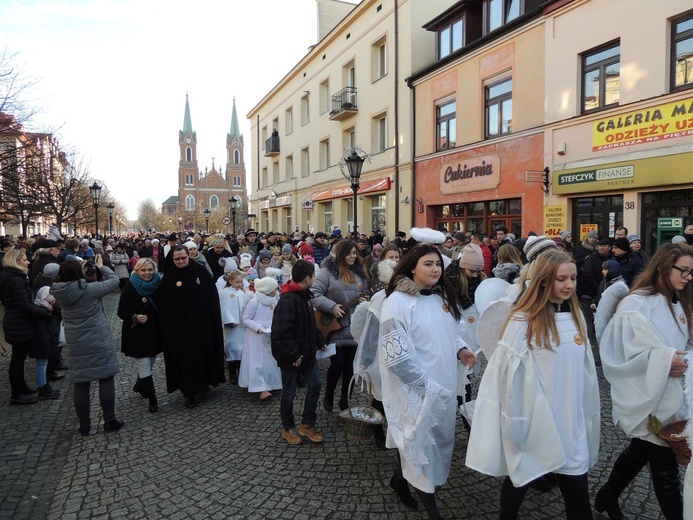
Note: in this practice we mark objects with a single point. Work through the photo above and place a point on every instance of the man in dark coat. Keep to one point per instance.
(630, 262)
(295, 340)
(48, 254)
(191, 328)
(320, 248)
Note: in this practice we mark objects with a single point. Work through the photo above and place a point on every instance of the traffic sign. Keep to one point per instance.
(226, 221)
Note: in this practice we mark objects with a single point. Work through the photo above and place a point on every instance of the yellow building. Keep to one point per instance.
(619, 110)
(348, 91)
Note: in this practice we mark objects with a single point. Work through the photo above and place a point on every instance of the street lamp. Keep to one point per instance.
(233, 204)
(110, 208)
(207, 213)
(95, 196)
(354, 164)
(180, 219)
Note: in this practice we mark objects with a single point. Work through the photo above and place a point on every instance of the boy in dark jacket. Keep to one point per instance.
(295, 340)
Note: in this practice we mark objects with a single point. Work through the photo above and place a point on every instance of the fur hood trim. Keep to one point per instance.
(331, 265)
(385, 270)
(407, 286)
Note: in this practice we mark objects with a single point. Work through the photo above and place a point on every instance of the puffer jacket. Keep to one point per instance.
(20, 311)
(90, 346)
(329, 291)
(120, 263)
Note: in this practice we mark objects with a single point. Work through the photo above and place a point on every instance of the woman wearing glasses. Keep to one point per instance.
(191, 328)
(641, 352)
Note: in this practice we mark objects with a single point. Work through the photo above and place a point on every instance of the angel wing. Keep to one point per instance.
(606, 309)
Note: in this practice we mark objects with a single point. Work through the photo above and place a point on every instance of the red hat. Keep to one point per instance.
(305, 249)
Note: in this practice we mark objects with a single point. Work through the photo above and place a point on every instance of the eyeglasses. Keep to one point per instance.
(685, 273)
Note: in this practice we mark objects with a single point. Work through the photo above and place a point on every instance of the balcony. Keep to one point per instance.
(272, 146)
(344, 104)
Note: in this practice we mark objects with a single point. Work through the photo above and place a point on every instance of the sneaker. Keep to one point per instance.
(291, 436)
(311, 433)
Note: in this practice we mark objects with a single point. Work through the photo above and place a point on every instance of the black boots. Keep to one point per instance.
(112, 425)
(626, 468)
(147, 390)
(429, 502)
(46, 392)
(328, 402)
(137, 388)
(667, 487)
(400, 486)
(233, 368)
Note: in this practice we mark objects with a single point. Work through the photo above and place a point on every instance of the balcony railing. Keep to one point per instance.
(344, 104)
(272, 146)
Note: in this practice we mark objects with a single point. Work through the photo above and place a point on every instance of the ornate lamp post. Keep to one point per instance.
(180, 220)
(207, 213)
(110, 208)
(233, 204)
(95, 196)
(354, 164)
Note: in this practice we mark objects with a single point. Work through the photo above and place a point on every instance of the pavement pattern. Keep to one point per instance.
(226, 459)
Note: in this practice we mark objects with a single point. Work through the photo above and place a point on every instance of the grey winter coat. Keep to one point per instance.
(329, 291)
(90, 346)
(120, 263)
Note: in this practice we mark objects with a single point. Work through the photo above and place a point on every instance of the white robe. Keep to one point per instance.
(636, 349)
(418, 366)
(232, 303)
(366, 362)
(259, 370)
(537, 411)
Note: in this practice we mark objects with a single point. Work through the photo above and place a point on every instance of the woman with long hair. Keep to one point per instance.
(341, 280)
(19, 327)
(91, 349)
(509, 263)
(419, 346)
(537, 410)
(641, 351)
(141, 337)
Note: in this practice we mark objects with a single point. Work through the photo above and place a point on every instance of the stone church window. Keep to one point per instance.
(236, 157)
(188, 154)
(189, 203)
(213, 201)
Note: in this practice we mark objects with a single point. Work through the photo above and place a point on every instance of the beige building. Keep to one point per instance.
(619, 110)
(348, 91)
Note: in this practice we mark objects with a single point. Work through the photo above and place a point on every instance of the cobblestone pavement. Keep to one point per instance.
(226, 459)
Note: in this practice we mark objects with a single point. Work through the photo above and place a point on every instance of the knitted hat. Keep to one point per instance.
(613, 269)
(251, 274)
(460, 236)
(622, 244)
(535, 245)
(565, 234)
(378, 247)
(558, 241)
(677, 239)
(633, 238)
(190, 244)
(266, 285)
(51, 270)
(264, 253)
(245, 260)
(286, 248)
(472, 258)
(592, 233)
(305, 249)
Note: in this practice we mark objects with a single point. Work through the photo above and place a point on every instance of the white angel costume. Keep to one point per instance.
(232, 303)
(418, 348)
(259, 370)
(636, 349)
(537, 410)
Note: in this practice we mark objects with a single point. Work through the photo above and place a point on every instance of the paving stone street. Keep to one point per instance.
(226, 459)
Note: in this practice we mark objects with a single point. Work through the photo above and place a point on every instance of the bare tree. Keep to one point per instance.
(148, 216)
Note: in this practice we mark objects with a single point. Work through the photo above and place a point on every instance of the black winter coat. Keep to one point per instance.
(20, 311)
(139, 340)
(294, 332)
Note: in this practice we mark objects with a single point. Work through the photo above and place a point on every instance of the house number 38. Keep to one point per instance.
(630, 205)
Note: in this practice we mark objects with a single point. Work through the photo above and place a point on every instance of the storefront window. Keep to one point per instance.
(378, 210)
(484, 217)
(606, 213)
(328, 217)
(663, 204)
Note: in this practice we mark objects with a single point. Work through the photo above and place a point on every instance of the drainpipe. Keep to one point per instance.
(396, 172)
(413, 155)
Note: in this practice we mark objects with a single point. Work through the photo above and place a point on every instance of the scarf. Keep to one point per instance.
(145, 288)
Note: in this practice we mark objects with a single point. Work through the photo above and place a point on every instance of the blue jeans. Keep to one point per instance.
(310, 406)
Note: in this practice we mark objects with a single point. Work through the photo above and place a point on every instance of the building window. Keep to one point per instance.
(328, 217)
(451, 38)
(380, 133)
(289, 120)
(289, 167)
(305, 162)
(305, 110)
(213, 201)
(325, 99)
(188, 179)
(288, 220)
(349, 138)
(349, 79)
(275, 173)
(379, 58)
(324, 154)
(378, 213)
(236, 157)
(497, 13)
(236, 181)
(682, 52)
(189, 203)
(601, 72)
(446, 131)
(188, 154)
(264, 180)
(499, 108)
(484, 217)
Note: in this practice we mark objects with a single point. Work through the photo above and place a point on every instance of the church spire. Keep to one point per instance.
(187, 121)
(235, 132)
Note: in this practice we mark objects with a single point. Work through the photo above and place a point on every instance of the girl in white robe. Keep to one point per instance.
(537, 409)
(641, 351)
(419, 346)
(259, 370)
(232, 299)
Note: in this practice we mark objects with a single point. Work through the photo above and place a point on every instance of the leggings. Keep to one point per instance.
(341, 365)
(573, 488)
(106, 398)
(144, 366)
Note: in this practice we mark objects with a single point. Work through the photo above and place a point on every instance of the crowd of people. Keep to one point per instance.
(401, 314)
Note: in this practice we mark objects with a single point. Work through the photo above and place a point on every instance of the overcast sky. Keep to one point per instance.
(113, 75)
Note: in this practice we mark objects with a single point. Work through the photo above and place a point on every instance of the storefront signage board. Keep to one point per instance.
(555, 219)
(470, 174)
(586, 228)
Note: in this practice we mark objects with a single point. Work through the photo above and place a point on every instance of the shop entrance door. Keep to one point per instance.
(604, 214)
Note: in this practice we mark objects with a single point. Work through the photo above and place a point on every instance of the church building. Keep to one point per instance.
(209, 189)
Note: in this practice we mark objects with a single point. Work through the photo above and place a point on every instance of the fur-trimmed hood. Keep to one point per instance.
(407, 286)
(331, 265)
